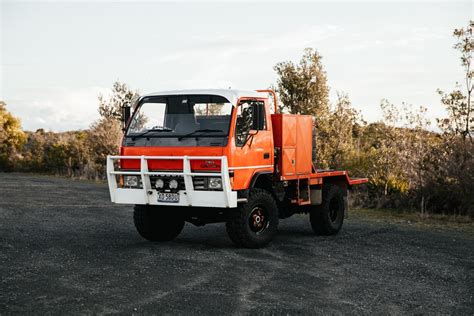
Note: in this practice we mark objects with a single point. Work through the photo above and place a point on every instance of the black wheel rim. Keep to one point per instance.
(334, 210)
(258, 219)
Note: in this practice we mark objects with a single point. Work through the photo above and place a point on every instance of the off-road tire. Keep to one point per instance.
(242, 225)
(327, 218)
(156, 223)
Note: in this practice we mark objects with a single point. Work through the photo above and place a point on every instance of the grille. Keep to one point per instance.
(200, 183)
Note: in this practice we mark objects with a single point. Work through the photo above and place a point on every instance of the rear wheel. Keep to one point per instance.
(327, 218)
(253, 224)
(156, 223)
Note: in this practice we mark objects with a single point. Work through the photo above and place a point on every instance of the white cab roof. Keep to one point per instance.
(229, 94)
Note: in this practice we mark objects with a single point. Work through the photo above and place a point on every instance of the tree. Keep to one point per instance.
(385, 151)
(459, 104)
(303, 89)
(110, 108)
(455, 159)
(341, 133)
(393, 155)
(105, 134)
(12, 137)
(104, 139)
(418, 142)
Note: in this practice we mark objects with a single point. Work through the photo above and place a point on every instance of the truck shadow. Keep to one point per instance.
(215, 237)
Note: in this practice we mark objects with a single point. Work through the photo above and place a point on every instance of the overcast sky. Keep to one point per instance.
(56, 57)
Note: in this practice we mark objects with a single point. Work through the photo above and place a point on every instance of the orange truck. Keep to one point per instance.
(210, 156)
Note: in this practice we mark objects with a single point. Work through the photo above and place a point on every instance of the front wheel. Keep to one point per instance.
(327, 218)
(253, 224)
(157, 223)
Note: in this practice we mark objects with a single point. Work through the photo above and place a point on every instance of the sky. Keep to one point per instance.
(58, 56)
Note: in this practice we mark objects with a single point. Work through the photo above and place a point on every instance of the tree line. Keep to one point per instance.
(410, 164)
(80, 154)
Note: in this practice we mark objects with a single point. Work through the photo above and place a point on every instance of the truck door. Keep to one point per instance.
(253, 148)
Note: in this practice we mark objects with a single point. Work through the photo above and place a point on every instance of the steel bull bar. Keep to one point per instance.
(188, 197)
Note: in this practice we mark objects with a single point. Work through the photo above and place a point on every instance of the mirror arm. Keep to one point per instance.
(250, 137)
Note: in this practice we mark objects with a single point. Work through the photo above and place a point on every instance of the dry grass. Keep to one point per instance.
(431, 221)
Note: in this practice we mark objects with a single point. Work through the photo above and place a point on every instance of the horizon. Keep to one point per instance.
(57, 57)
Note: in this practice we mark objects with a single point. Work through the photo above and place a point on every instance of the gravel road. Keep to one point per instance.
(64, 248)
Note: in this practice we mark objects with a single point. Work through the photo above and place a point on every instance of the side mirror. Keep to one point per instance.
(126, 113)
(258, 117)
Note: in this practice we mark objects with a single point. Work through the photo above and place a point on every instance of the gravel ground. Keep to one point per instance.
(64, 248)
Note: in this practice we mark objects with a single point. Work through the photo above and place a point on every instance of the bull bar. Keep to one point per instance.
(188, 197)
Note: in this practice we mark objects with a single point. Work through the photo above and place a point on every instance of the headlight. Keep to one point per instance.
(173, 184)
(159, 184)
(215, 183)
(131, 181)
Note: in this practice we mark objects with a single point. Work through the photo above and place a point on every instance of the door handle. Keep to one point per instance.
(266, 155)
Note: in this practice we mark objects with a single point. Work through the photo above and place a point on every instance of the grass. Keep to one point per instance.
(60, 176)
(431, 221)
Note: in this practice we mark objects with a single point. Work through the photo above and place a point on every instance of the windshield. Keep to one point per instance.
(181, 117)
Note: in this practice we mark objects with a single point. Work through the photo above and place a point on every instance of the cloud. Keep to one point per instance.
(369, 62)
(228, 46)
(56, 108)
(243, 60)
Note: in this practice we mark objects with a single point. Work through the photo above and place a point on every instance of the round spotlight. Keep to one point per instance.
(159, 184)
(173, 184)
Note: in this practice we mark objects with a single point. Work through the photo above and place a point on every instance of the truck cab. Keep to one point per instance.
(206, 156)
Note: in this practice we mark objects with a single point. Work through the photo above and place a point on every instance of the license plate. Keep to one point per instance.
(168, 197)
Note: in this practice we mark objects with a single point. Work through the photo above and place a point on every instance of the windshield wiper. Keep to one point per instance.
(200, 131)
(161, 129)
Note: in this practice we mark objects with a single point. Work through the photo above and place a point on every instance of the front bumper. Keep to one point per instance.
(188, 197)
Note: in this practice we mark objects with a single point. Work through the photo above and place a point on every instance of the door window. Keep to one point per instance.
(250, 116)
